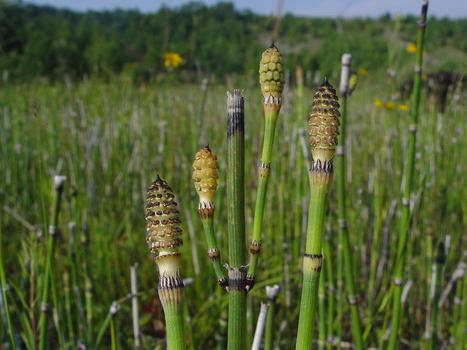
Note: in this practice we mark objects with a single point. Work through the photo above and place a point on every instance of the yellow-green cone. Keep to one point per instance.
(323, 123)
(271, 75)
(205, 175)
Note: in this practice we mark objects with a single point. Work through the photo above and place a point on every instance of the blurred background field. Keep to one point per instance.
(111, 99)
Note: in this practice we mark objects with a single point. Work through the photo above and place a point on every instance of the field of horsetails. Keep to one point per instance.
(282, 210)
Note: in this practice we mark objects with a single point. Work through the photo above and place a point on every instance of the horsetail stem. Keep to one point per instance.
(323, 128)
(271, 79)
(436, 294)
(205, 175)
(272, 292)
(4, 298)
(236, 221)
(59, 182)
(163, 238)
(342, 209)
(408, 177)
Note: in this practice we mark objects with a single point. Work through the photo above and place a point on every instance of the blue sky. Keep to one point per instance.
(345, 8)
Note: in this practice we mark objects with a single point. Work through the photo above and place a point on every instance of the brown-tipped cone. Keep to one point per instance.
(205, 175)
(162, 220)
(271, 73)
(323, 123)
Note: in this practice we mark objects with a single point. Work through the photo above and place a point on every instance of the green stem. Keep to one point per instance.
(438, 273)
(322, 312)
(46, 281)
(236, 221)
(408, 174)
(311, 266)
(263, 173)
(269, 331)
(208, 225)
(113, 335)
(175, 327)
(344, 234)
(3, 287)
(329, 280)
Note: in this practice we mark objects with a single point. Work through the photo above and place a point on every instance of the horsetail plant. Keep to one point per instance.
(323, 128)
(342, 209)
(236, 221)
(205, 175)
(436, 294)
(48, 280)
(163, 238)
(407, 189)
(272, 292)
(271, 79)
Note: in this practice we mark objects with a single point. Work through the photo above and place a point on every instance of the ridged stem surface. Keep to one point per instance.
(269, 332)
(208, 225)
(175, 326)
(344, 233)
(311, 270)
(46, 282)
(263, 173)
(236, 221)
(6, 308)
(408, 176)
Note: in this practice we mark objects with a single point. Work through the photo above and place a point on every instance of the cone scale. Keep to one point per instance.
(271, 78)
(163, 238)
(323, 130)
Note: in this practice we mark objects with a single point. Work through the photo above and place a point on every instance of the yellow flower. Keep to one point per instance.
(389, 105)
(378, 103)
(363, 72)
(403, 107)
(172, 60)
(411, 48)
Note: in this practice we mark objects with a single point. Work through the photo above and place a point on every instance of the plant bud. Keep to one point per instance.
(323, 123)
(205, 175)
(162, 220)
(271, 75)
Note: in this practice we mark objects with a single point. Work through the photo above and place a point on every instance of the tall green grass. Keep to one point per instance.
(110, 138)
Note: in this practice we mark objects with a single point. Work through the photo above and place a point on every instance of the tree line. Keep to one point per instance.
(41, 41)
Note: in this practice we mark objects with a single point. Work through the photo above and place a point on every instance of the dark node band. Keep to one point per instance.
(223, 283)
(255, 248)
(237, 278)
(316, 261)
(235, 113)
(168, 282)
(214, 254)
(313, 256)
(322, 166)
(250, 282)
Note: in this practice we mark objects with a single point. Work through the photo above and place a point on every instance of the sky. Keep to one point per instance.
(328, 8)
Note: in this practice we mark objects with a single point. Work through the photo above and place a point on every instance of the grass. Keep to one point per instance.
(110, 138)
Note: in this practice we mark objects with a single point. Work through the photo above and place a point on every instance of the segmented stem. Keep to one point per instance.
(51, 244)
(236, 221)
(163, 238)
(271, 79)
(323, 128)
(408, 176)
(342, 211)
